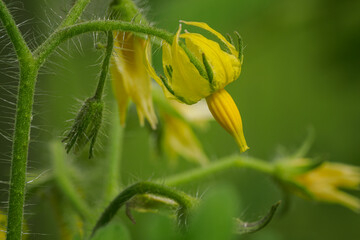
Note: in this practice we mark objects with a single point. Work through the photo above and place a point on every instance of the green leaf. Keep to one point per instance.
(112, 231)
(213, 220)
(160, 227)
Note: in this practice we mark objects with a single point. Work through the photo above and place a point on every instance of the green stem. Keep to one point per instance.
(105, 66)
(45, 49)
(22, 50)
(114, 158)
(186, 202)
(63, 181)
(216, 167)
(20, 148)
(94, 26)
(26, 88)
(75, 13)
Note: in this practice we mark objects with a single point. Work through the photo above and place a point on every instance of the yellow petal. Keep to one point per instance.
(225, 112)
(324, 183)
(180, 140)
(128, 58)
(186, 80)
(217, 34)
(3, 223)
(120, 93)
(197, 114)
(152, 72)
(333, 195)
(226, 67)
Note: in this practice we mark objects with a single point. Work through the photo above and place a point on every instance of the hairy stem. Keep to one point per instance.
(75, 13)
(45, 49)
(105, 66)
(185, 201)
(94, 26)
(22, 50)
(20, 148)
(217, 167)
(26, 88)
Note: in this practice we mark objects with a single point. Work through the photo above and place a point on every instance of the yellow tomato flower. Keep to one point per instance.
(130, 78)
(324, 182)
(189, 82)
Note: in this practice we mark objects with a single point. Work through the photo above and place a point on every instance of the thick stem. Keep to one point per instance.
(186, 202)
(28, 74)
(75, 13)
(23, 118)
(217, 167)
(105, 67)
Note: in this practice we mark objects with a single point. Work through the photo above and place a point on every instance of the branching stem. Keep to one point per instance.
(75, 13)
(22, 50)
(217, 167)
(28, 74)
(45, 49)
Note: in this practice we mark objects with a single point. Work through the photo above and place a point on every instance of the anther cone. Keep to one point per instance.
(225, 112)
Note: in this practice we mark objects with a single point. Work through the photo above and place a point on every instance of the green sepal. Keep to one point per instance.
(208, 69)
(240, 46)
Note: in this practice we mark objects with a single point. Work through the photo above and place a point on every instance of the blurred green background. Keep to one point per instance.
(301, 70)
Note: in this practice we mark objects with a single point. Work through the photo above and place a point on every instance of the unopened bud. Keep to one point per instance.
(86, 126)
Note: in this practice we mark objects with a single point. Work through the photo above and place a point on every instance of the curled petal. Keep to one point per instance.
(120, 93)
(186, 80)
(130, 74)
(217, 34)
(226, 67)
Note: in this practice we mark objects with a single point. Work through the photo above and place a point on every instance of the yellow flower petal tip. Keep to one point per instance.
(325, 181)
(130, 78)
(180, 140)
(225, 112)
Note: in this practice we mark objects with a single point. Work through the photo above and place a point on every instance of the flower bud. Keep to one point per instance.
(86, 126)
(321, 181)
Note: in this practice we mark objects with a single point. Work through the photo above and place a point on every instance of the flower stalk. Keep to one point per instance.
(89, 119)
(105, 66)
(219, 166)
